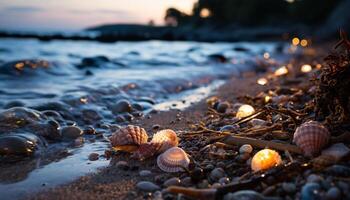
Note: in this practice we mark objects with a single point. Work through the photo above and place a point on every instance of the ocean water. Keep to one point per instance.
(83, 75)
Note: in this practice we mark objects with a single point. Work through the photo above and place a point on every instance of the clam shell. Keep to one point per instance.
(311, 137)
(129, 135)
(166, 138)
(173, 160)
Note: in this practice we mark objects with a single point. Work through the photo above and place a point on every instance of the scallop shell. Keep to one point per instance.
(311, 137)
(161, 141)
(129, 135)
(173, 160)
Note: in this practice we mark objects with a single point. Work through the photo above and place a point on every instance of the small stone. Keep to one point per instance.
(71, 132)
(338, 170)
(222, 107)
(216, 174)
(145, 173)
(221, 165)
(246, 148)
(147, 186)
(172, 182)
(314, 178)
(93, 156)
(244, 195)
(257, 122)
(243, 157)
(333, 194)
(229, 128)
(224, 180)
(216, 185)
(310, 191)
(123, 165)
(120, 119)
(186, 181)
(203, 184)
(289, 188)
(156, 127)
(209, 167)
(121, 106)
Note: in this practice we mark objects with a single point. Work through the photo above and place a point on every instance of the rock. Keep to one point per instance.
(222, 107)
(257, 122)
(314, 178)
(244, 195)
(145, 173)
(90, 116)
(230, 128)
(122, 106)
(71, 132)
(216, 185)
(203, 184)
(147, 186)
(120, 119)
(93, 61)
(93, 156)
(186, 181)
(333, 193)
(209, 167)
(310, 191)
(243, 157)
(172, 181)
(155, 126)
(123, 165)
(336, 151)
(246, 148)
(289, 188)
(218, 58)
(224, 180)
(216, 174)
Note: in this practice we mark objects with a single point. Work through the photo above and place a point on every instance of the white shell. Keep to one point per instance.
(173, 160)
(129, 135)
(311, 137)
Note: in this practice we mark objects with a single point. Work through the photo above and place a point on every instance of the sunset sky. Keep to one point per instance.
(72, 15)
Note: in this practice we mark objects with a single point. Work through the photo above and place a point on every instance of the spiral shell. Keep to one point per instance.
(161, 141)
(173, 160)
(129, 135)
(311, 137)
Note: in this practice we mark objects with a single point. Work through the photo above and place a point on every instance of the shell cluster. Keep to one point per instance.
(135, 139)
(311, 137)
(173, 160)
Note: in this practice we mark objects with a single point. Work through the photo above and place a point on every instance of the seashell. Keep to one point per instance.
(265, 159)
(161, 141)
(129, 135)
(244, 111)
(167, 138)
(311, 137)
(173, 160)
(336, 151)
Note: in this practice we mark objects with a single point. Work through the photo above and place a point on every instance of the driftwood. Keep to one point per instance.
(238, 141)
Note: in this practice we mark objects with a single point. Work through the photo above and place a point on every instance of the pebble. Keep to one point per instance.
(246, 148)
(209, 167)
(224, 180)
(333, 193)
(186, 181)
(119, 119)
(121, 106)
(216, 185)
(338, 170)
(216, 174)
(172, 182)
(243, 157)
(123, 165)
(257, 122)
(221, 165)
(314, 178)
(145, 173)
(71, 132)
(93, 156)
(156, 126)
(244, 195)
(310, 191)
(222, 107)
(229, 128)
(203, 184)
(147, 186)
(289, 188)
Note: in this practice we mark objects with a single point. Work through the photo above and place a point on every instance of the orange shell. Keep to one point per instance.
(129, 135)
(173, 160)
(311, 137)
(265, 159)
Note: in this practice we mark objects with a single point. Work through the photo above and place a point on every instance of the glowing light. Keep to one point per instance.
(244, 111)
(262, 81)
(19, 66)
(281, 71)
(295, 41)
(265, 159)
(318, 66)
(290, 1)
(267, 99)
(205, 13)
(266, 55)
(306, 68)
(303, 43)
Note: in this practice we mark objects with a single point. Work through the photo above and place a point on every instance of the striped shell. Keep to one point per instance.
(173, 160)
(129, 135)
(161, 141)
(311, 137)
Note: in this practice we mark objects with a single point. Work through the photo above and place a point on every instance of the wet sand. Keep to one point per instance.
(116, 183)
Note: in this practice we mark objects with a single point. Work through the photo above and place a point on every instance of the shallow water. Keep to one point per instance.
(156, 75)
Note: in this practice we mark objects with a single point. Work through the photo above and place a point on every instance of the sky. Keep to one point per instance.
(74, 15)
